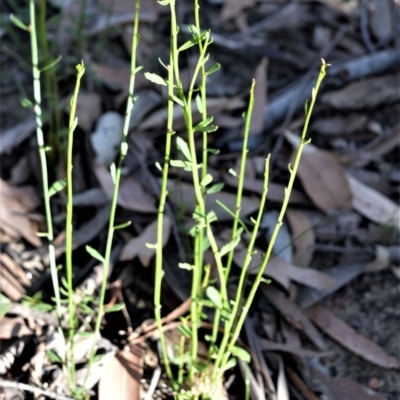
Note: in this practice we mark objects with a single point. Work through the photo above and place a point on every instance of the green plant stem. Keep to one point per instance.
(226, 353)
(114, 202)
(239, 192)
(51, 88)
(43, 161)
(159, 271)
(73, 122)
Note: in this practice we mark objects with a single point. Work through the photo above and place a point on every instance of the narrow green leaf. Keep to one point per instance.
(151, 245)
(206, 180)
(215, 296)
(57, 186)
(181, 164)
(214, 68)
(193, 30)
(231, 245)
(123, 225)
(217, 187)
(199, 103)
(17, 22)
(208, 129)
(190, 43)
(184, 148)
(155, 78)
(241, 353)
(306, 107)
(114, 308)
(177, 100)
(230, 364)
(161, 62)
(214, 151)
(26, 103)
(232, 172)
(203, 123)
(187, 266)
(158, 166)
(52, 64)
(185, 331)
(94, 253)
(164, 2)
(54, 357)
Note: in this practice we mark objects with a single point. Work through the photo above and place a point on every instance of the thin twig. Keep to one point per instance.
(32, 389)
(364, 26)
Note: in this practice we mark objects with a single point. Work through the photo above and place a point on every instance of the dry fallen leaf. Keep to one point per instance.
(136, 247)
(120, 376)
(350, 339)
(293, 314)
(374, 205)
(381, 261)
(12, 137)
(322, 176)
(283, 272)
(346, 388)
(303, 236)
(234, 8)
(364, 94)
(13, 328)
(88, 109)
(117, 77)
(260, 98)
(276, 191)
(131, 194)
(13, 215)
(381, 19)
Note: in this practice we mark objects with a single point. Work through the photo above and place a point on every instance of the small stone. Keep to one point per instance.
(375, 383)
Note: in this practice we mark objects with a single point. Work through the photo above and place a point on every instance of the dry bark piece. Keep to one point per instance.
(346, 388)
(234, 8)
(373, 205)
(350, 339)
(13, 327)
(276, 191)
(284, 272)
(14, 136)
(382, 19)
(293, 314)
(340, 125)
(300, 385)
(136, 247)
(322, 176)
(342, 273)
(348, 71)
(364, 94)
(13, 215)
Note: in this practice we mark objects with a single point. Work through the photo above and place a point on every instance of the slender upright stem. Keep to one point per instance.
(73, 122)
(43, 161)
(114, 201)
(227, 350)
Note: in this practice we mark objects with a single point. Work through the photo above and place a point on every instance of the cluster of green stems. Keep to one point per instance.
(228, 313)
